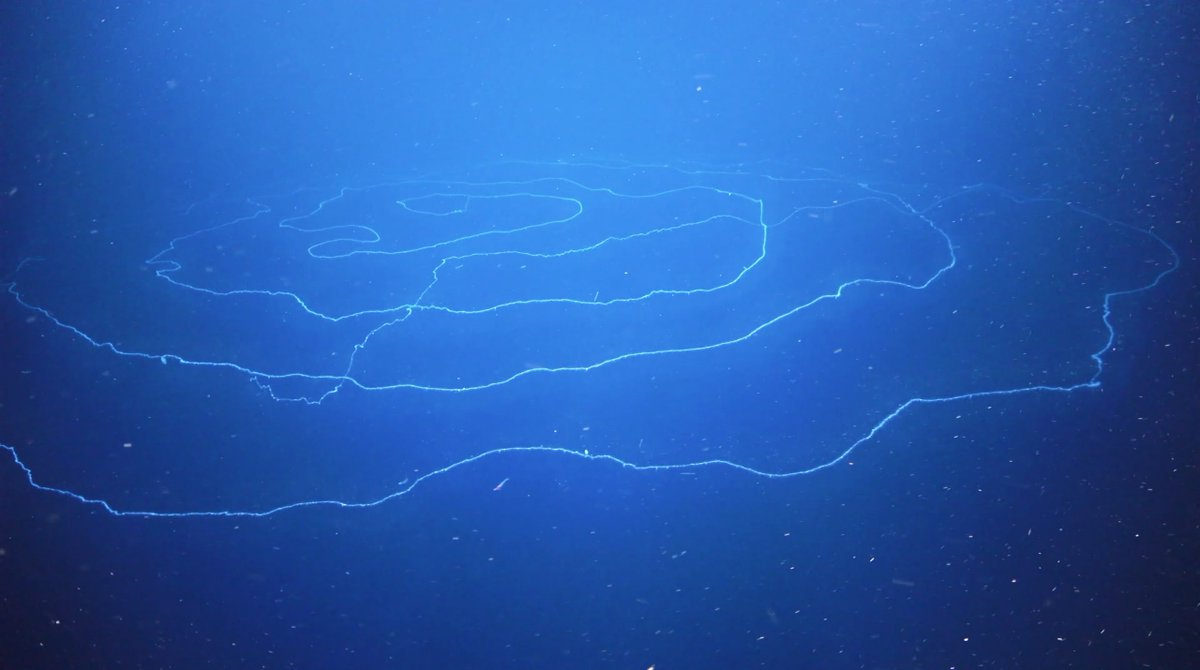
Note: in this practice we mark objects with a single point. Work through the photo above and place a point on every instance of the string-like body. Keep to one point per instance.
(515, 249)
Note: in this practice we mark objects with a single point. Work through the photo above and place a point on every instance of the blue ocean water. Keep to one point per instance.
(777, 335)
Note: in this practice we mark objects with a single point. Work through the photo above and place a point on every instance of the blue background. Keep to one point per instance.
(1039, 531)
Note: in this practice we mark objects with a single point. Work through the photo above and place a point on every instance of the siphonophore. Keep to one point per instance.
(654, 318)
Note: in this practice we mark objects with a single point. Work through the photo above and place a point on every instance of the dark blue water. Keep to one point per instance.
(813, 335)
